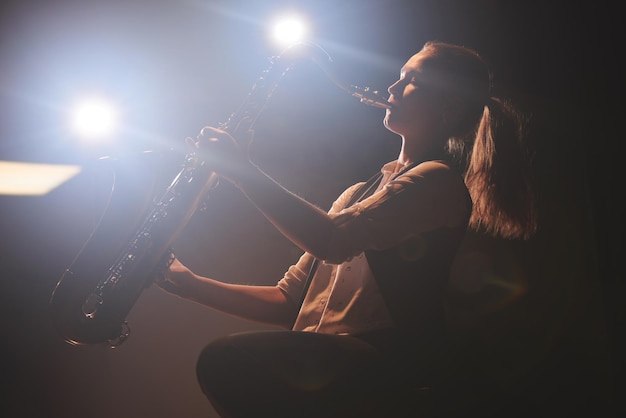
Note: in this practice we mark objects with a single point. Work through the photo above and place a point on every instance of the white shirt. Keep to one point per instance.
(343, 297)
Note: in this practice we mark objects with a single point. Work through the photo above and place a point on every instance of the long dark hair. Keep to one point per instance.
(488, 143)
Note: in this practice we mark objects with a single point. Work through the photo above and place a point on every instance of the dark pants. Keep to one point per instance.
(302, 374)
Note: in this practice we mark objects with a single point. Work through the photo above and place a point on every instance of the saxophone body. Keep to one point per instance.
(93, 297)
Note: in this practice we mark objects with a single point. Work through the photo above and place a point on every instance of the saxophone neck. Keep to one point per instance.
(315, 53)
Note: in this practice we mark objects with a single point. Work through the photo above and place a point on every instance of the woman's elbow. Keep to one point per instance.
(338, 243)
(337, 252)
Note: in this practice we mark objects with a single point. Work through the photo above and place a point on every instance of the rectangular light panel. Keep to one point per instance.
(33, 179)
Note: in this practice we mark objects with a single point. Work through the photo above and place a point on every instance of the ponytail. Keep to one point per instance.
(486, 142)
(498, 174)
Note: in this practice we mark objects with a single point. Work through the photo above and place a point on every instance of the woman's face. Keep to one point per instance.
(416, 110)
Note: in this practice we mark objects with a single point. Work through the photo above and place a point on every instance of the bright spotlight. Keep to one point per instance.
(94, 118)
(289, 29)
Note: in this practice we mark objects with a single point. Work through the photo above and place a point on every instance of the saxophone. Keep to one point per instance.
(93, 297)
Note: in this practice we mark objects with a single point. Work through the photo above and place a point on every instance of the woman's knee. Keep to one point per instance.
(213, 365)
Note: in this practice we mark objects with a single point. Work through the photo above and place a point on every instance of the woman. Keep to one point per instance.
(364, 304)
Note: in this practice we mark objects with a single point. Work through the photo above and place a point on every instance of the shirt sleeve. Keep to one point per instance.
(293, 282)
(428, 196)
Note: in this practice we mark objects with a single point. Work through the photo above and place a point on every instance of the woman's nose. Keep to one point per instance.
(392, 87)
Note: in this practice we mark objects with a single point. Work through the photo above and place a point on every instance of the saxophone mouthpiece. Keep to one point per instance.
(370, 97)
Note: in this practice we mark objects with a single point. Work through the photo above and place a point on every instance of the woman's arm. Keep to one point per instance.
(265, 304)
(306, 225)
(429, 196)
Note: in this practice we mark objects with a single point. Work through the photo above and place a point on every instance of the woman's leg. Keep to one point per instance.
(287, 373)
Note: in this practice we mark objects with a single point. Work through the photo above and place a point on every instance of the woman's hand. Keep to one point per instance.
(224, 154)
(178, 279)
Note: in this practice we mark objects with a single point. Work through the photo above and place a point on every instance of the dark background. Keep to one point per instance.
(542, 319)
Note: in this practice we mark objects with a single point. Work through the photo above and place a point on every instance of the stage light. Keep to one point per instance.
(289, 29)
(94, 119)
(30, 179)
